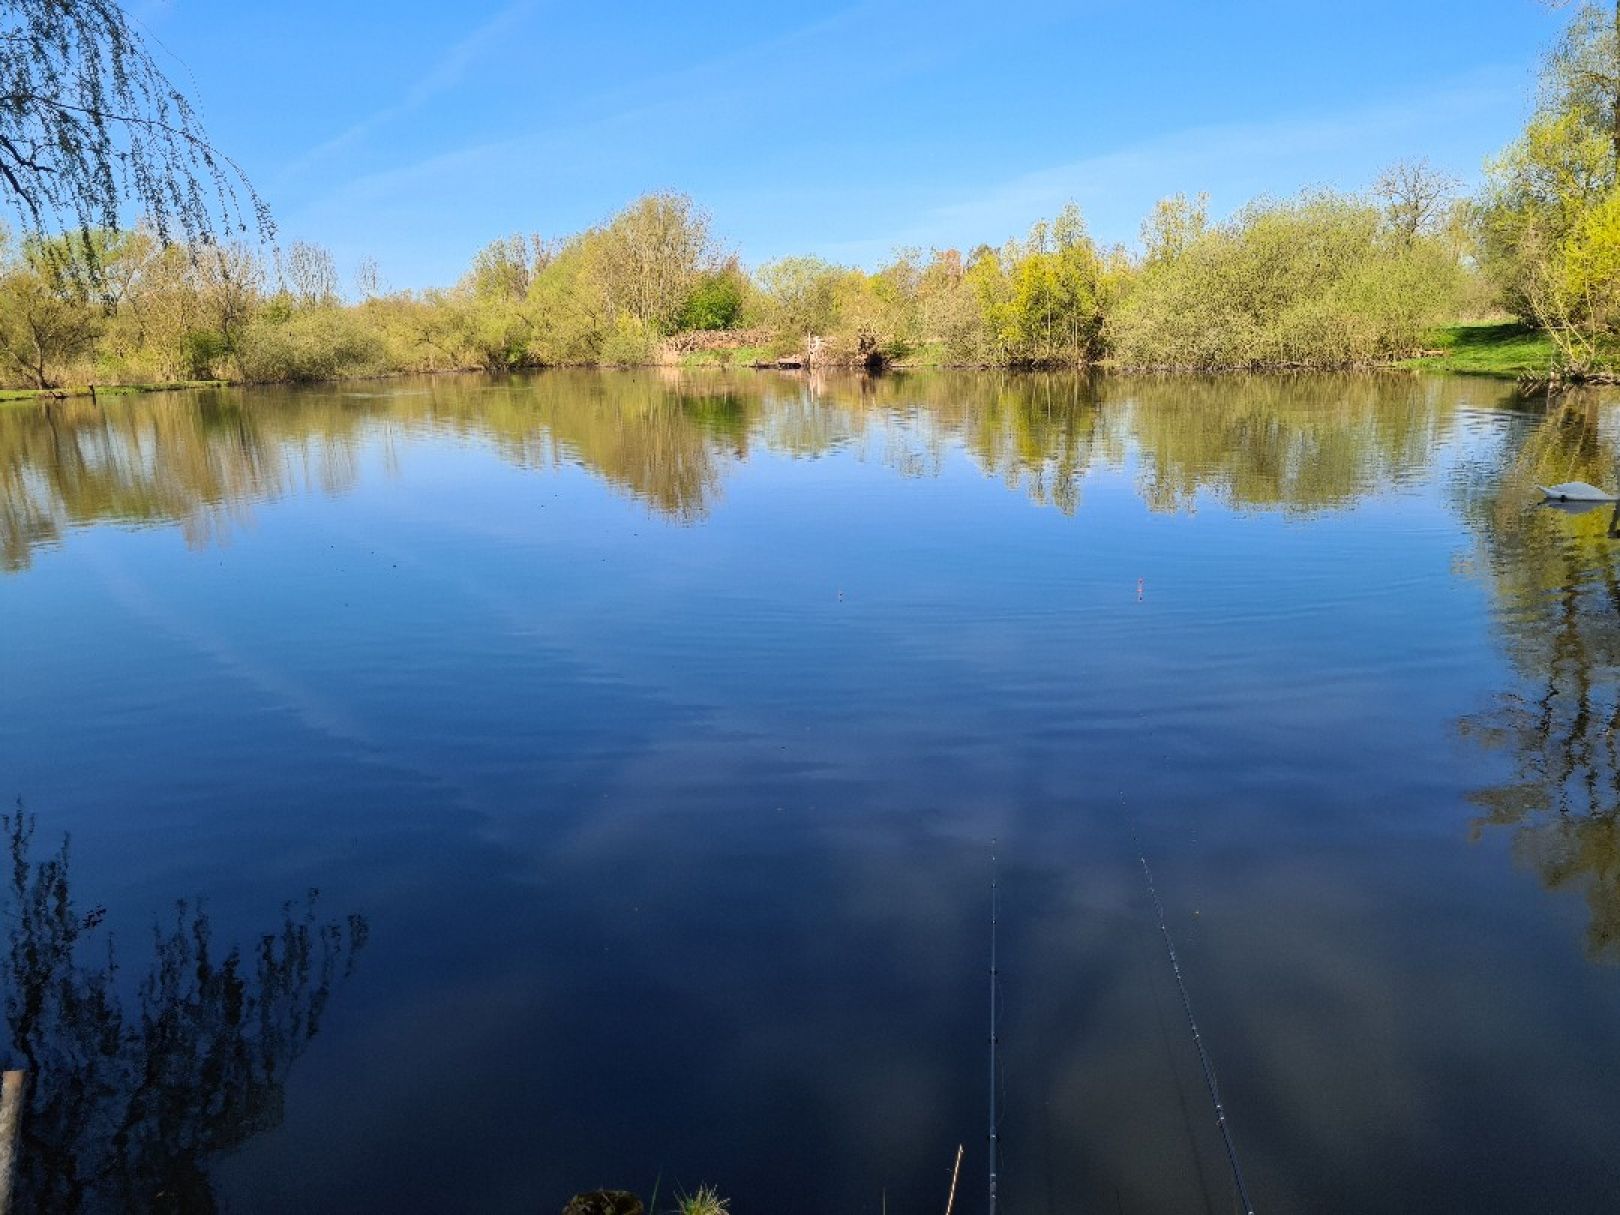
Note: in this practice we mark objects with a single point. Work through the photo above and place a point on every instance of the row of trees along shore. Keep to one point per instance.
(1320, 280)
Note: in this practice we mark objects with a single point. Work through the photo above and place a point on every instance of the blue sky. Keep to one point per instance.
(415, 132)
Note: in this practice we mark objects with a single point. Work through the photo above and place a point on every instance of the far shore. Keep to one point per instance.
(1498, 350)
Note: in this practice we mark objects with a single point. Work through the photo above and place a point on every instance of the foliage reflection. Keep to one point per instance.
(667, 439)
(1555, 575)
(132, 1089)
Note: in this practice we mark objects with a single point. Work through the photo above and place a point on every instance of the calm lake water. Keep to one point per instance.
(645, 737)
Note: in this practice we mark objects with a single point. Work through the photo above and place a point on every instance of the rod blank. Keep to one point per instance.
(995, 1134)
(1198, 1039)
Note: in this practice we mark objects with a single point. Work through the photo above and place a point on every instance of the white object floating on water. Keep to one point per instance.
(1576, 491)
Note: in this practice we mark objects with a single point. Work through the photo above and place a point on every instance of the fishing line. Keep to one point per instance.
(995, 1124)
(1192, 1024)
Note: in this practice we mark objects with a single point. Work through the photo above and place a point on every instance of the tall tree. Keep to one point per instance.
(1584, 71)
(650, 255)
(310, 273)
(1416, 196)
(1548, 218)
(44, 322)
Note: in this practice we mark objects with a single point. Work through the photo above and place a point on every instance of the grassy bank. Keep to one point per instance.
(1506, 349)
(729, 357)
(16, 396)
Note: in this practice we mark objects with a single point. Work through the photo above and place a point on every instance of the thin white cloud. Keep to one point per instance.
(444, 75)
(1232, 161)
(693, 88)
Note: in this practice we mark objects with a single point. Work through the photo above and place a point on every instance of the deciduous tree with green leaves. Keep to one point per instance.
(44, 324)
(1544, 218)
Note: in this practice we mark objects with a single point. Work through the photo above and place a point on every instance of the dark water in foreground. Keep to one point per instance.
(654, 731)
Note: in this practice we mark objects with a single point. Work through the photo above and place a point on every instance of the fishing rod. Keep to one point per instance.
(1198, 1039)
(995, 1134)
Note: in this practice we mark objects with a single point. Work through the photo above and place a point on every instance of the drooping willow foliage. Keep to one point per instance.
(93, 134)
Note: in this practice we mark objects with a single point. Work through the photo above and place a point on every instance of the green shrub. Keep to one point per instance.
(630, 344)
(202, 352)
(319, 342)
(716, 302)
(1315, 281)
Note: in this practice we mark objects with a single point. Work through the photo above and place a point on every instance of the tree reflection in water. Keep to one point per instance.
(202, 461)
(1556, 578)
(130, 1095)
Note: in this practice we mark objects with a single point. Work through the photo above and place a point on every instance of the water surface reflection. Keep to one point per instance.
(664, 718)
(1555, 575)
(201, 460)
(135, 1086)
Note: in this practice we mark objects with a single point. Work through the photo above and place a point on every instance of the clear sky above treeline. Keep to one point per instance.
(415, 132)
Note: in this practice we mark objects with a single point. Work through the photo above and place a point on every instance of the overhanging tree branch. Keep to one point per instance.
(94, 135)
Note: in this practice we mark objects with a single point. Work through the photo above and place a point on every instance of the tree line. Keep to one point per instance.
(1324, 279)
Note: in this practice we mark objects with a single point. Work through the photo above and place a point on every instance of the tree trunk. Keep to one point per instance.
(38, 367)
(11, 1114)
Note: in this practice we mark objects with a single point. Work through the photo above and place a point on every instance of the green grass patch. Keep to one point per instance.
(1488, 348)
(739, 356)
(928, 354)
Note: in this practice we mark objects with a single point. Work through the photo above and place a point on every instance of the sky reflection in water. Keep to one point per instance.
(657, 725)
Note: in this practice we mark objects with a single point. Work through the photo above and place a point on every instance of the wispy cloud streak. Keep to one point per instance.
(1232, 161)
(443, 76)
